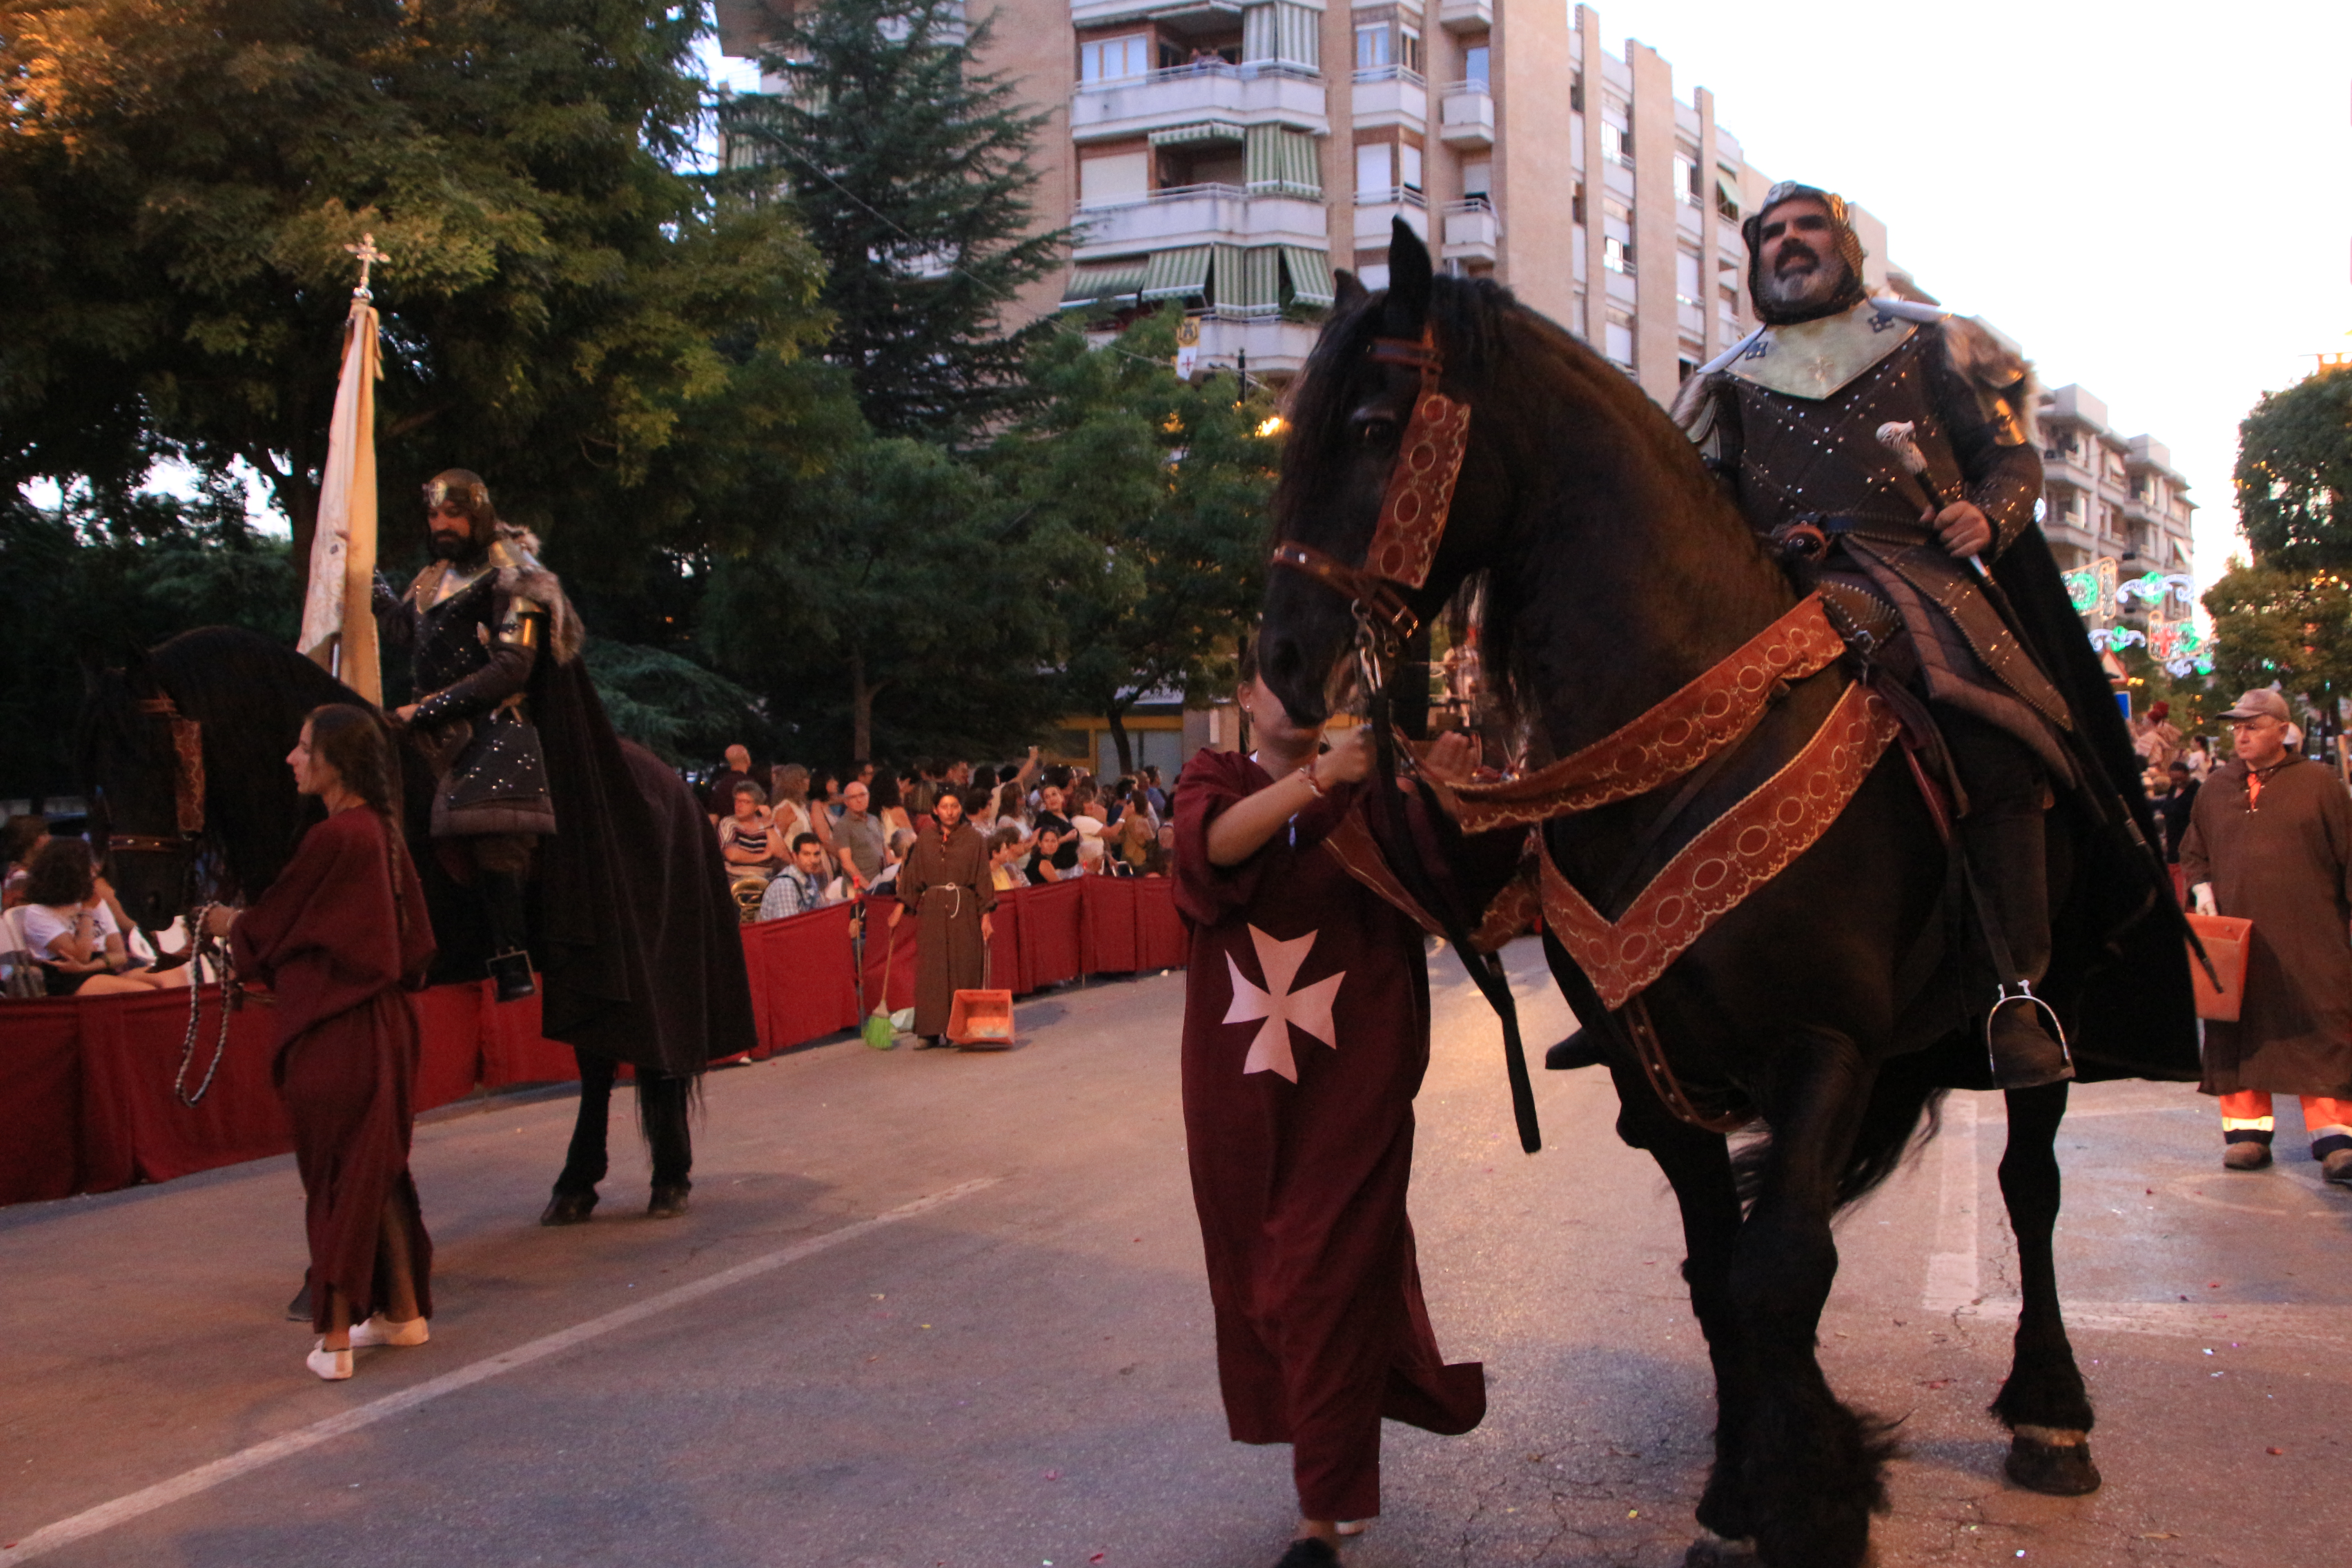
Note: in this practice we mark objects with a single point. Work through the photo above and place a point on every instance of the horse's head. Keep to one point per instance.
(145, 804)
(1354, 417)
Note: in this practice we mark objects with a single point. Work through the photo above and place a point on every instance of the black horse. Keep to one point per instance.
(1616, 573)
(639, 950)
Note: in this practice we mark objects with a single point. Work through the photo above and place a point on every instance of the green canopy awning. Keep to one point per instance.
(1099, 282)
(1281, 163)
(1178, 274)
(1248, 281)
(1310, 277)
(1199, 130)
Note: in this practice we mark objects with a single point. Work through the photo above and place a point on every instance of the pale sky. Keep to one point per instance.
(2154, 200)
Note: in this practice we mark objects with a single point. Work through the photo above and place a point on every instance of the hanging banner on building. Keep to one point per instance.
(1188, 348)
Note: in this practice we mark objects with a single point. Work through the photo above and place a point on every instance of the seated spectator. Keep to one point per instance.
(1092, 861)
(1040, 866)
(73, 932)
(895, 854)
(1012, 810)
(1135, 837)
(1049, 815)
(890, 802)
(802, 885)
(25, 836)
(789, 811)
(1154, 793)
(747, 840)
(719, 796)
(1003, 856)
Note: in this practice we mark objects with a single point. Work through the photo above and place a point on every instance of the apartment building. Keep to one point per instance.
(2115, 512)
(1227, 157)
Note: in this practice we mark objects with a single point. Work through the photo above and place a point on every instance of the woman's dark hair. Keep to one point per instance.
(1003, 838)
(983, 777)
(24, 831)
(352, 740)
(821, 783)
(1246, 662)
(882, 795)
(61, 874)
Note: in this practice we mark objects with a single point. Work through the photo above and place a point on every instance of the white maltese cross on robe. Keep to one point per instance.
(1279, 1005)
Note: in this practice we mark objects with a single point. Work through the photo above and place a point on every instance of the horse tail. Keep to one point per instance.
(1904, 1110)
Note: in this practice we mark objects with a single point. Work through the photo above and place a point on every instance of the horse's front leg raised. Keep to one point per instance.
(1812, 1466)
(1697, 1163)
(2043, 1403)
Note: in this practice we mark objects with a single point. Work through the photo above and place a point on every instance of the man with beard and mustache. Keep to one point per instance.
(476, 621)
(1789, 420)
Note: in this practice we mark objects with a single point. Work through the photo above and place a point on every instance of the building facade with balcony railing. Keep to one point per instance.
(2119, 519)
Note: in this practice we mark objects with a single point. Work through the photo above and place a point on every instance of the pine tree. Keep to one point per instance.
(910, 167)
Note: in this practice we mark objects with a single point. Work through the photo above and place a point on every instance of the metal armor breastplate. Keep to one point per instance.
(1802, 454)
(453, 637)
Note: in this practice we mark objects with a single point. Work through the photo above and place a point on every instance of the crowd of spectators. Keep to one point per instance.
(796, 839)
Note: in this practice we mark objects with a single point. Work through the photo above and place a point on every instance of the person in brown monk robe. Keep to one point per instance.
(945, 880)
(341, 937)
(1305, 1036)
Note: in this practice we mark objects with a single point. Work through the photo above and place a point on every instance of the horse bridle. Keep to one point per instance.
(1414, 508)
(187, 784)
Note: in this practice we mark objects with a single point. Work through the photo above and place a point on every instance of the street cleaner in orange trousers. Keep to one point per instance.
(1305, 1037)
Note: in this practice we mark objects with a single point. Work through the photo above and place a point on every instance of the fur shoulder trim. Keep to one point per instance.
(1998, 374)
(516, 555)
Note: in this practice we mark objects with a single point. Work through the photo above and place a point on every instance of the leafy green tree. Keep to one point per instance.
(910, 165)
(1159, 491)
(906, 607)
(2295, 474)
(601, 334)
(672, 706)
(2276, 624)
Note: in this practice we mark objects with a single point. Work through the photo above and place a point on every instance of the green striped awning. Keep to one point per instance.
(1248, 281)
(1099, 282)
(1310, 277)
(1281, 163)
(1178, 274)
(1199, 130)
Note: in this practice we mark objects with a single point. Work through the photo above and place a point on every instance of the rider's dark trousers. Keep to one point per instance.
(661, 1108)
(2002, 833)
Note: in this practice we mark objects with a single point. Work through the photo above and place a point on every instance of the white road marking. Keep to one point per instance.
(1952, 1282)
(204, 1478)
(2211, 1321)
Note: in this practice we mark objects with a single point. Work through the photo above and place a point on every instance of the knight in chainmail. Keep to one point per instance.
(1789, 420)
(476, 621)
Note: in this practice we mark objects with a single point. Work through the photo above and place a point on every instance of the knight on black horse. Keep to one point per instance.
(1790, 419)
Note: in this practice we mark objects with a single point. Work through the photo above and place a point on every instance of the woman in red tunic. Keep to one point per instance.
(341, 937)
(1305, 1036)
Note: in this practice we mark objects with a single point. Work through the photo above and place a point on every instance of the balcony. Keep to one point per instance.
(1467, 114)
(1226, 15)
(1265, 93)
(1466, 15)
(1390, 95)
(1199, 215)
(1471, 230)
(1377, 210)
(1275, 347)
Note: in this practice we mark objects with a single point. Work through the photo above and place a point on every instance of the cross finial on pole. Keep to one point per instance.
(368, 255)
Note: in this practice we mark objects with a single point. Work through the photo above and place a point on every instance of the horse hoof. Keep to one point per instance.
(569, 1208)
(668, 1202)
(1713, 1551)
(2055, 1469)
(1580, 1050)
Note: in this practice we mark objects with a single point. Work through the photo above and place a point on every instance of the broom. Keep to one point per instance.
(877, 1031)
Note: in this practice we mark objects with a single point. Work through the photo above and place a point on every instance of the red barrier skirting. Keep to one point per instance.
(87, 1084)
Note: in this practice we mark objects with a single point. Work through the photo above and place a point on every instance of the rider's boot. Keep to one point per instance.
(2006, 853)
(510, 965)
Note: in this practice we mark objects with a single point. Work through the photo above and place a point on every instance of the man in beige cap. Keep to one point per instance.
(2270, 840)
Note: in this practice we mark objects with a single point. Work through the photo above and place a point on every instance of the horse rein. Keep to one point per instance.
(199, 943)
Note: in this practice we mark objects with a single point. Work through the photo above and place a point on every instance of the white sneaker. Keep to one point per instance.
(382, 1331)
(333, 1365)
(1347, 1527)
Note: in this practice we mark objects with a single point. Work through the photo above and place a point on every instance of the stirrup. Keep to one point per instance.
(512, 972)
(2004, 995)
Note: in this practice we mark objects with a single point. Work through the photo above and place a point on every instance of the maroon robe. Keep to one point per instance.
(340, 959)
(1301, 1145)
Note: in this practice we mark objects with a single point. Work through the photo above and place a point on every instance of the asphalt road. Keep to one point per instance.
(937, 1311)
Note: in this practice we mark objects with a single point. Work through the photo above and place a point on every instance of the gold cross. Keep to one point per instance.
(368, 255)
